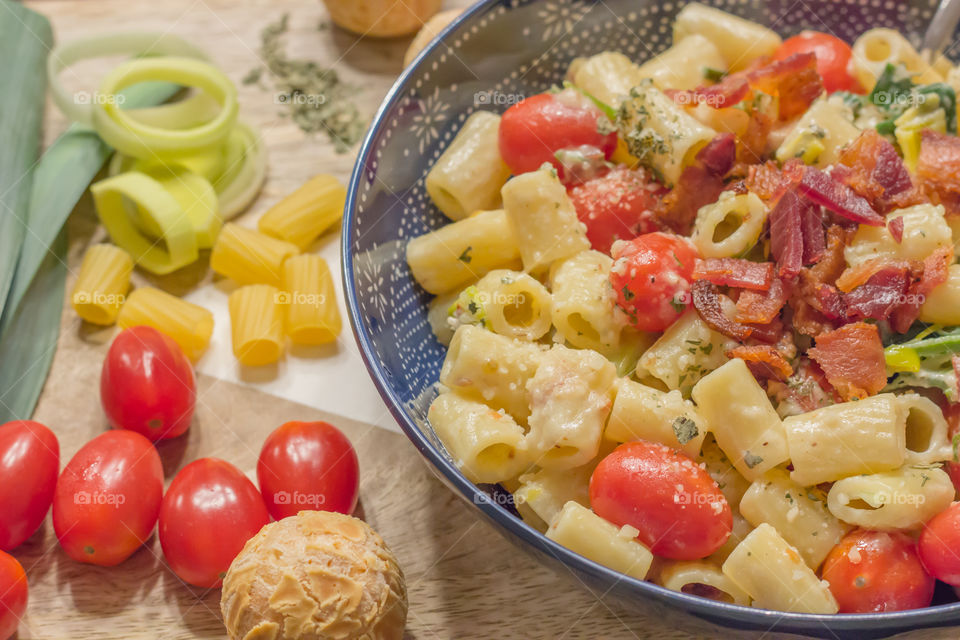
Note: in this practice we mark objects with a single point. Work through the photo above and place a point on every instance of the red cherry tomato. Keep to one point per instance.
(308, 466)
(939, 543)
(147, 384)
(13, 595)
(107, 498)
(651, 277)
(210, 511)
(833, 59)
(616, 206)
(29, 465)
(533, 130)
(674, 503)
(875, 571)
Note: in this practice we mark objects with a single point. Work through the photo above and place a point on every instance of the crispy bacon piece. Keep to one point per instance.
(933, 272)
(853, 277)
(794, 80)
(765, 361)
(733, 272)
(760, 308)
(786, 234)
(769, 182)
(874, 170)
(822, 189)
(752, 143)
(700, 184)
(706, 300)
(806, 320)
(726, 93)
(895, 227)
(938, 169)
(852, 359)
(829, 268)
(883, 292)
(830, 302)
(811, 225)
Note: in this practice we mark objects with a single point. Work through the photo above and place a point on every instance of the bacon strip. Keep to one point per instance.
(764, 361)
(734, 272)
(852, 359)
(874, 170)
(770, 182)
(853, 277)
(759, 308)
(895, 227)
(938, 168)
(814, 244)
(706, 300)
(879, 295)
(700, 184)
(786, 234)
(794, 80)
(822, 189)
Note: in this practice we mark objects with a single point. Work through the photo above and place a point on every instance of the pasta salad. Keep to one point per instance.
(703, 314)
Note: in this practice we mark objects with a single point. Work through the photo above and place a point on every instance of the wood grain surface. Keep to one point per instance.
(465, 581)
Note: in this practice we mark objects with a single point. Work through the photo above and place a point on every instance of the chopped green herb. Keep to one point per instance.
(751, 460)
(685, 429)
(627, 294)
(677, 305)
(465, 256)
(714, 75)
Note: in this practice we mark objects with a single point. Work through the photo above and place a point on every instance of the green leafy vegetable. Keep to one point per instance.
(714, 75)
(926, 361)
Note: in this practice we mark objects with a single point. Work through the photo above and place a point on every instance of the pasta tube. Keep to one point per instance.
(102, 284)
(583, 302)
(305, 214)
(582, 531)
(682, 65)
(188, 324)
(548, 490)
(740, 41)
(942, 305)
(312, 316)
(682, 576)
(514, 304)
(901, 499)
(256, 322)
(485, 444)
(926, 437)
(687, 351)
(644, 413)
(469, 174)
(820, 134)
(249, 257)
(458, 253)
(924, 231)
(607, 76)
(877, 48)
(730, 226)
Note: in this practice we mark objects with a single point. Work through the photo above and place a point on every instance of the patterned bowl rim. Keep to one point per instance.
(702, 607)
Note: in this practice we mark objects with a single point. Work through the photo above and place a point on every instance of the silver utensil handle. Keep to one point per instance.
(942, 26)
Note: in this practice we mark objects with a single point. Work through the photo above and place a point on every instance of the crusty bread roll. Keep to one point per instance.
(315, 576)
(381, 18)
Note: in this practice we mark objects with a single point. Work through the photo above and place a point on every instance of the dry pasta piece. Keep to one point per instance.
(311, 303)
(188, 324)
(102, 284)
(256, 320)
(308, 212)
(250, 257)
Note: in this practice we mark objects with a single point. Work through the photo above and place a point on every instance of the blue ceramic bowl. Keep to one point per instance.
(497, 51)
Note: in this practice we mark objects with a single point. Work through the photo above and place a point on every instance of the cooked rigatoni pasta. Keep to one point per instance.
(798, 514)
(583, 302)
(582, 531)
(942, 305)
(487, 445)
(458, 253)
(683, 65)
(850, 438)
(926, 437)
(687, 576)
(608, 76)
(718, 465)
(686, 352)
(310, 302)
(469, 174)
(256, 324)
(546, 491)
(514, 304)
(773, 573)
(663, 136)
(820, 134)
(492, 368)
(872, 430)
(739, 41)
(643, 413)
(924, 231)
(730, 226)
(900, 499)
(305, 214)
(250, 257)
(190, 325)
(543, 219)
(740, 416)
(102, 284)
(741, 529)
(570, 398)
(877, 48)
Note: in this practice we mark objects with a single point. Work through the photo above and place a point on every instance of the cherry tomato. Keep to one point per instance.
(533, 130)
(616, 206)
(29, 465)
(210, 511)
(939, 543)
(13, 595)
(834, 56)
(651, 277)
(107, 498)
(875, 571)
(308, 466)
(676, 506)
(147, 384)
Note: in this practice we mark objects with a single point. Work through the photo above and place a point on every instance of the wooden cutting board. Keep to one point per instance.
(465, 581)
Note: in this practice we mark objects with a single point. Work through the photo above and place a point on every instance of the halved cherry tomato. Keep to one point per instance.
(833, 59)
(29, 465)
(676, 506)
(13, 595)
(308, 466)
(147, 384)
(874, 571)
(616, 206)
(108, 497)
(939, 545)
(651, 277)
(210, 511)
(532, 131)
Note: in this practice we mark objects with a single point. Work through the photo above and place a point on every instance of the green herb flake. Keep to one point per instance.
(685, 429)
(751, 460)
(465, 257)
(627, 294)
(678, 306)
(714, 75)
